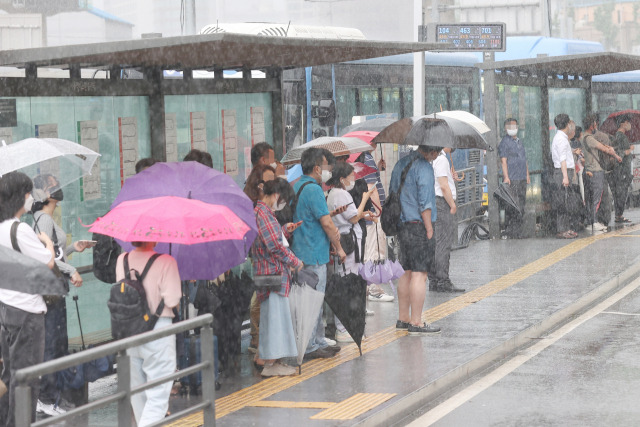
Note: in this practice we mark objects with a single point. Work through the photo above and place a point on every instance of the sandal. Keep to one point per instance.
(566, 235)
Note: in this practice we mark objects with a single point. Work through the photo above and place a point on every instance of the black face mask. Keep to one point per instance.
(57, 195)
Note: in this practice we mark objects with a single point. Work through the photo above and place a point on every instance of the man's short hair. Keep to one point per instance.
(311, 157)
(199, 156)
(425, 149)
(561, 121)
(142, 164)
(622, 118)
(509, 120)
(590, 119)
(258, 151)
(331, 159)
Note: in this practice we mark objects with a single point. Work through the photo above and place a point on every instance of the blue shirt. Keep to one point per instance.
(418, 192)
(310, 242)
(513, 150)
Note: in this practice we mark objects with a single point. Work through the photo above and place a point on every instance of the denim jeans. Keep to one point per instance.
(148, 362)
(317, 338)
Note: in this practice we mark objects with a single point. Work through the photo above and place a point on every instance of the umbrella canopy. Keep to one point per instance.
(609, 125)
(365, 135)
(337, 145)
(377, 271)
(171, 219)
(305, 304)
(504, 193)
(346, 295)
(24, 274)
(361, 170)
(193, 180)
(66, 160)
(375, 125)
(440, 132)
(464, 116)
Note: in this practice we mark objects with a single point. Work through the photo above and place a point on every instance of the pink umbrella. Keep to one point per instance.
(171, 219)
(361, 170)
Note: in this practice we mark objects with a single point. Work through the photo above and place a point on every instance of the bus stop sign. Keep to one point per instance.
(466, 37)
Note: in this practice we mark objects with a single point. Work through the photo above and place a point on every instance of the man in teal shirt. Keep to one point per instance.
(311, 242)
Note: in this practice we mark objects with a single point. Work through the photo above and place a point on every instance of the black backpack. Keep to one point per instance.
(105, 257)
(392, 209)
(128, 305)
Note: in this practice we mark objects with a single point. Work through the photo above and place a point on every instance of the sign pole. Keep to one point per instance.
(418, 63)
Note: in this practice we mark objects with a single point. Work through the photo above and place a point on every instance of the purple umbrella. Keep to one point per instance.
(193, 180)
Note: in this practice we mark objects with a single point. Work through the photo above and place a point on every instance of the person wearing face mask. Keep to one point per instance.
(515, 173)
(620, 179)
(316, 234)
(342, 181)
(47, 195)
(270, 255)
(21, 314)
(263, 154)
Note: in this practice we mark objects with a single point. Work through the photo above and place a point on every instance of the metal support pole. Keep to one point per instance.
(156, 115)
(491, 118)
(277, 114)
(125, 412)
(23, 412)
(418, 62)
(208, 375)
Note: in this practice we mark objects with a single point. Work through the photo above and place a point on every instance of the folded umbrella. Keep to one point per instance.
(346, 295)
(377, 271)
(24, 274)
(305, 304)
(504, 193)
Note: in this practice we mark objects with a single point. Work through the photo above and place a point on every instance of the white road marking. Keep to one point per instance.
(620, 313)
(521, 358)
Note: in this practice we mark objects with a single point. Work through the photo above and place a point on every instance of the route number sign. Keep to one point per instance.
(464, 37)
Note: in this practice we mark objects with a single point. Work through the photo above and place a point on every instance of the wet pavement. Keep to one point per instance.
(517, 290)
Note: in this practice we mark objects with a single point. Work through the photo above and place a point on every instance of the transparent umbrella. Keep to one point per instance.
(66, 160)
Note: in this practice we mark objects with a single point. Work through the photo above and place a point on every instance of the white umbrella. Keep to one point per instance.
(305, 304)
(464, 116)
(337, 145)
(66, 160)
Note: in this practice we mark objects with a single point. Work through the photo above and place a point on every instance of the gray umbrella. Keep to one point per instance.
(23, 274)
(305, 304)
(439, 132)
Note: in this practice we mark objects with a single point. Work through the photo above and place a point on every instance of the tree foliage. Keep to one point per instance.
(604, 22)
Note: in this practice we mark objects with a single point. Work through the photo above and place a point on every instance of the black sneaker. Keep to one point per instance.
(402, 325)
(423, 330)
(449, 287)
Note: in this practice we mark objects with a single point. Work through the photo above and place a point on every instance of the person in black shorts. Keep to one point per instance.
(417, 245)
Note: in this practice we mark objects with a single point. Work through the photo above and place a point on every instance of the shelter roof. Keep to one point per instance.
(587, 64)
(224, 51)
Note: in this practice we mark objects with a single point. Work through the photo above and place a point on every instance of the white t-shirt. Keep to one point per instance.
(32, 247)
(337, 198)
(442, 168)
(561, 151)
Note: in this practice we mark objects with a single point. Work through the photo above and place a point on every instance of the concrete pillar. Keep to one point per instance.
(491, 118)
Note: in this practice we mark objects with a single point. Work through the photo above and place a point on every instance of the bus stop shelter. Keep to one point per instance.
(534, 91)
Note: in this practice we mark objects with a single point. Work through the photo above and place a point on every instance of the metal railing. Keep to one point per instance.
(123, 395)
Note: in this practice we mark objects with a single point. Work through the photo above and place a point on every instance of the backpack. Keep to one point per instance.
(105, 256)
(130, 314)
(392, 209)
(606, 161)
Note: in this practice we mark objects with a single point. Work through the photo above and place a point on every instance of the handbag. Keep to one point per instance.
(268, 282)
(348, 241)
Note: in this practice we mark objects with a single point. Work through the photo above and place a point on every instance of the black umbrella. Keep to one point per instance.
(234, 295)
(504, 193)
(373, 125)
(346, 295)
(440, 132)
(24, 274)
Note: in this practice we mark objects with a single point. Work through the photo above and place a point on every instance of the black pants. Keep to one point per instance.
(619, 184)
(512, 218)
(56, 345)
(22, 343)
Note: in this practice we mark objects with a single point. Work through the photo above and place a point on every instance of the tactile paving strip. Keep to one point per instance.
(268, 387)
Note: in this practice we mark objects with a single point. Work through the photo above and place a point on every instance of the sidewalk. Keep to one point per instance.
(516, 291)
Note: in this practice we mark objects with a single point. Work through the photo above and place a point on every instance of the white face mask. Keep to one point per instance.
(28, 203)
(280, 206)
(350, 186)
(273, 165)
(326, 176)
(512, 132)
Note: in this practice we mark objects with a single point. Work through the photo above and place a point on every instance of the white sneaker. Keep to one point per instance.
(49, 409)
(329, 341)
(381, 297)
(597, 226)
(369, 312)
(343, 337)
